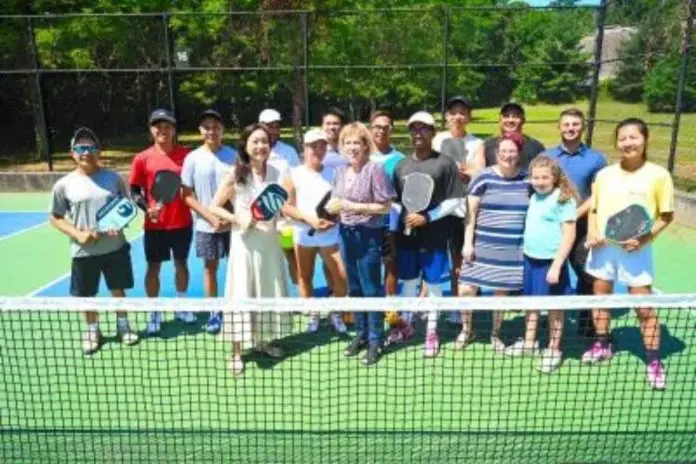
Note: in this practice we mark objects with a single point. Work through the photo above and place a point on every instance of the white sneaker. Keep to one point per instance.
(126, 334)
(313, 324)
(187, 317)
(338, 323)
(155, 324)
(497, 345)
(519, 348)
(91, 341)
(550, 360)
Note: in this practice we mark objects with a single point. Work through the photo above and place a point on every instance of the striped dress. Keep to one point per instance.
(498, 257)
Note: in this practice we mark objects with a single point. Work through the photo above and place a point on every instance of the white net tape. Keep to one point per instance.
(299, 305)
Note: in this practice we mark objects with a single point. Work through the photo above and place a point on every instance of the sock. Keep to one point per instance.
(121, 322)
(409, 289)
(652, 355)
(155, 316)
(434, 291)
(93, 327)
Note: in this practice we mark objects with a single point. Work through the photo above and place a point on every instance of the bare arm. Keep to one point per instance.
(224, 194)
(289, 209)
(584, 208)
(192, 202)
(66, 227)
(474, 203)
(374, 209)
(567, 241)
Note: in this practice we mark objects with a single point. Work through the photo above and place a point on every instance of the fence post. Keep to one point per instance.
(594, 90)
(685, 50)
(40, 120)
(445, 63)
(170, 72)
(305, 60)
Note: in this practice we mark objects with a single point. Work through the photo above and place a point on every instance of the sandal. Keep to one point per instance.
(463, 340)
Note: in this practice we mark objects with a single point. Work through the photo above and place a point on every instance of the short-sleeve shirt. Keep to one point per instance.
(615, 188)
(79, 197)
(203, 172)
(334, 159)
(580, 167)
(543, 230)
(530, 150)
(433, 235)
(175, 215)
(460, 149)
(369, 186)
(286, 152)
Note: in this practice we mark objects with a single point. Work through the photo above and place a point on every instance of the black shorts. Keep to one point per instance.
(456, 238)
(161, 244)
(212, 245)
(86, 272)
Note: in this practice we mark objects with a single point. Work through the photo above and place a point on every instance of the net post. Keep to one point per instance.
(168, 55)
(594, 90)
(685, 50)
(445, 63)
(40, 120)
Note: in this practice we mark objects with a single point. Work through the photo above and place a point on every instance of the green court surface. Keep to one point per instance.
(173, 398)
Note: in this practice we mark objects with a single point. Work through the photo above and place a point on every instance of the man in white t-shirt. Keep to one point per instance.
(201, 175)
(461, 146)
(270, 119)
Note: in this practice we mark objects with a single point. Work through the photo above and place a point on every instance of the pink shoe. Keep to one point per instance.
(432, 345)
(656, 375)
(597, 353)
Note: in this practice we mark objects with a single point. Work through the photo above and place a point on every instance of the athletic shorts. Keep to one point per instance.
(614, 264)
(86, 272)
(160, 245)
(212, 245)
(431, 265)
(534, 280)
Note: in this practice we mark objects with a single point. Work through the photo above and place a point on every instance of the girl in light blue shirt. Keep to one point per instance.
(548, 238)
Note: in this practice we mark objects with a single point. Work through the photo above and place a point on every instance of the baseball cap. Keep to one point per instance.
(84, 133)
(512, 107)
(211, 113)
(161, 115)
(315, 135)
(423, 117)
(268, 116)
(458, 100)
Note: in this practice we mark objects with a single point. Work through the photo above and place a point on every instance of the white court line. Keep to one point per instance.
(21, 231)
(37, 291)
(24, 211)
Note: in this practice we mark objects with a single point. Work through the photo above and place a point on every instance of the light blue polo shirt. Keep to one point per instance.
(203, 172)
(581, 167)
(543, 226)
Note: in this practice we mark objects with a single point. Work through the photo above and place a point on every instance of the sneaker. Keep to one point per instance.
(520, 348)
(214, 324)
(550, 360)
(313, 324)
(126, 334)
(497, 345)
(354, 347)
(338, 323)
(155, 324)
(656, 375)
(401, 333)
(372, 355)
(463, 340)
(432, 345)
(187, 317)
(597, 353)
(237, 365)
(91, 341)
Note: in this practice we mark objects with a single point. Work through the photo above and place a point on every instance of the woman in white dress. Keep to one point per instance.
(255, 267)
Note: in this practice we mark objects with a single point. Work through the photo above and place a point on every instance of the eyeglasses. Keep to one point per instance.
(85, 149)
(381, 128)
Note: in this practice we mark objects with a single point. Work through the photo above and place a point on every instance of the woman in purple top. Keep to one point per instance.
(361, 197)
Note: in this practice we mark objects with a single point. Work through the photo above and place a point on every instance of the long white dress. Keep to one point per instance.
(255, 269)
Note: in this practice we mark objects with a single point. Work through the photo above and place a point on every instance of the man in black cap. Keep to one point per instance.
(203, 171)
(79, 195)
(511, 119)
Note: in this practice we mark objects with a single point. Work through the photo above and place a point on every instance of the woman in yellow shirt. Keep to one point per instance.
(633, 180)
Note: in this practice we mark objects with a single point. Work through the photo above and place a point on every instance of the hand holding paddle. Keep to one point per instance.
(165, 187)
(325, 213)
(268, 203)
(116, 215)
(630, 227)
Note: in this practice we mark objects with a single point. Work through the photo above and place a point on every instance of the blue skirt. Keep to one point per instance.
(534, 281)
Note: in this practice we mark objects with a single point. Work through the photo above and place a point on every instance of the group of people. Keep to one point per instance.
(506, 215)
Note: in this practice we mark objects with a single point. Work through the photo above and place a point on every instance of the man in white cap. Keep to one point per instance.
(284, 157)
(270, 120)
(423, 254)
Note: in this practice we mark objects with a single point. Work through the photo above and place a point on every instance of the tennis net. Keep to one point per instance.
(173, 397)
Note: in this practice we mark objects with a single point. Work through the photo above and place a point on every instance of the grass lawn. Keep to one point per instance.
(541, 124)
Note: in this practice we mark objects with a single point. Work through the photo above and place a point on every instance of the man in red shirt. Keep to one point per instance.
(169, 229)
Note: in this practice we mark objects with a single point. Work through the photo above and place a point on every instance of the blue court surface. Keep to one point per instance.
(16, 222)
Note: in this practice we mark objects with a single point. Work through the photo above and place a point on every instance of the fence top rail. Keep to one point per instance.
(299, 11)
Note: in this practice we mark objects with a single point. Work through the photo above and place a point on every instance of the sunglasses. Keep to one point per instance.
(85, 149)
(381, 128)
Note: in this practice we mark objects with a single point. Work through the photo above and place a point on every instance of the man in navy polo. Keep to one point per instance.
(581, 164)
